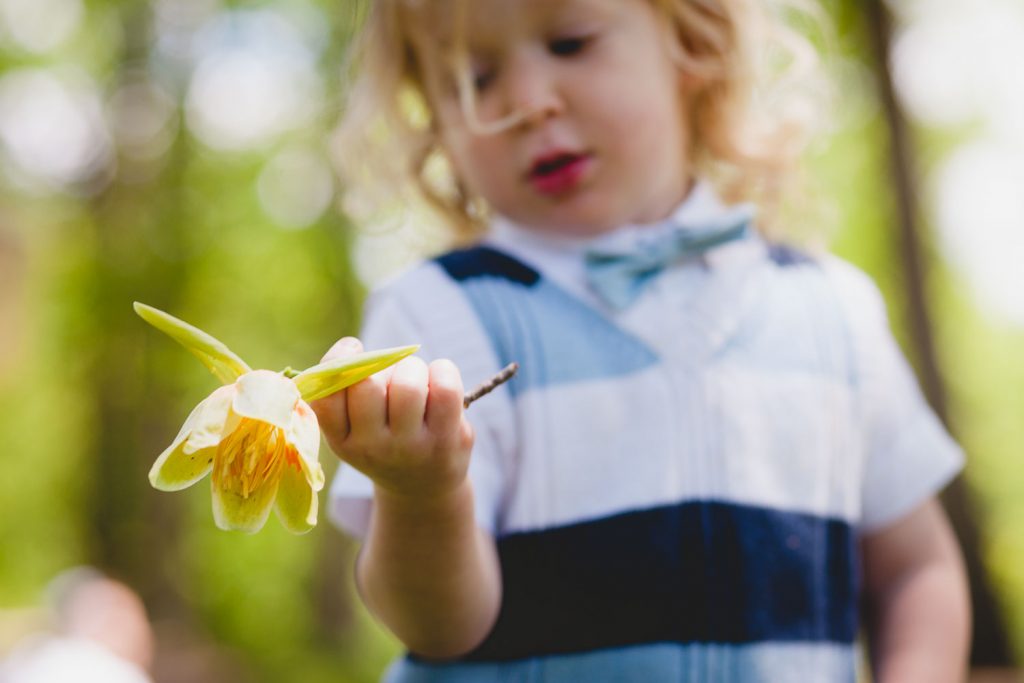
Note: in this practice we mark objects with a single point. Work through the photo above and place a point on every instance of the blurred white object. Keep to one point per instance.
(40, 26)
(56, 660)
(296, 187)
(254, 79)
(52, 127)
(101, 635)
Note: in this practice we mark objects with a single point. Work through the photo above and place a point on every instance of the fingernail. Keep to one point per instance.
(349, 344)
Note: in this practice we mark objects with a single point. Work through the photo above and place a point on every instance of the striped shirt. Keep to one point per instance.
(677, 488)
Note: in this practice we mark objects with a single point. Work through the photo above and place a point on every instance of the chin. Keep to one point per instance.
(569, 227)
(576, 219)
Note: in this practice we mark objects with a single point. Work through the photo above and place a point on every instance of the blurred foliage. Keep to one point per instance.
(89, 395)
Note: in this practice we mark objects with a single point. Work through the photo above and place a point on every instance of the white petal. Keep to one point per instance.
(304, 435)
(175, 469)
(266, 396)
(208, 427)
(296, 501)
(233, 512)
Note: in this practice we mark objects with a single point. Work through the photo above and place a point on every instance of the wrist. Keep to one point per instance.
(453, 501)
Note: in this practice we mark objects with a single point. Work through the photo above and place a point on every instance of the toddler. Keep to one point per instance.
(714, 453)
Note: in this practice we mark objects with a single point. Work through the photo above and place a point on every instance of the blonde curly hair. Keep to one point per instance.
(762, 95)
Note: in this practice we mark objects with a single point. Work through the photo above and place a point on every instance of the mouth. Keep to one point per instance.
(558, 172)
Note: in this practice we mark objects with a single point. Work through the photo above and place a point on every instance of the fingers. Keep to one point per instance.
(405, 419)
(403, 427)
(444, 410)
(332, 411)
(403, 402)
(368, 407)
(346, 346)
(407, 397)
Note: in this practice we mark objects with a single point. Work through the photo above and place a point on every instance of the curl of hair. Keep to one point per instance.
(759, 101)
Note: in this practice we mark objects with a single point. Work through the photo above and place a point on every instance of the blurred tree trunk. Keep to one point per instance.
(134, 532)
(990, 643)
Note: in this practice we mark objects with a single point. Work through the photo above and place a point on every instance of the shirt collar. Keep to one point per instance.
(701, 205)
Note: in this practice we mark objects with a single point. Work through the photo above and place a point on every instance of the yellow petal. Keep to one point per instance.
(175, 469)
(304, 436)
(234, 512)
(208, 427)
(336, 374)
(296, 501)
(214, 354)
(266, 396)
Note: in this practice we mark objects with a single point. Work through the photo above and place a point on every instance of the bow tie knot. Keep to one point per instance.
(619, 277)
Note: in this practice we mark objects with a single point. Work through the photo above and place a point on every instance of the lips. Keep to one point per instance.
(558, 172)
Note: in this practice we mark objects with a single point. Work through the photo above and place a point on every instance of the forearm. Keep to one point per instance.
(429, 573)
(921, 627)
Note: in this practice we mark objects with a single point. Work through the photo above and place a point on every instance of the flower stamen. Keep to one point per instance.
(249, 456)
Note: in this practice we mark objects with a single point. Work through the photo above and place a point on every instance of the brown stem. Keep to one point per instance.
(490, 385)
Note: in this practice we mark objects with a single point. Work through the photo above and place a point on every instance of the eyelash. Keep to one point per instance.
(561, 47)
(482, 80)
(567, 47)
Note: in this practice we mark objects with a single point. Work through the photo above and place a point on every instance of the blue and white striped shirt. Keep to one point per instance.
(677, 488)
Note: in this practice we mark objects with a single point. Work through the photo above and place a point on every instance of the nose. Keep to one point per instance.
(533, 90)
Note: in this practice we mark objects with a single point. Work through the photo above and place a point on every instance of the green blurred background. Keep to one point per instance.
(178, 152)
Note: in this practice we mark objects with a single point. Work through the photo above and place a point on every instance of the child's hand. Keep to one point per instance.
(404, 427)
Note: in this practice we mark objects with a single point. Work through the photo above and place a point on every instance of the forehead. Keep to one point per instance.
(445, 25)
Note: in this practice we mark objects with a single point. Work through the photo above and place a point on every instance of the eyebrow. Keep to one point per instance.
(444, 37)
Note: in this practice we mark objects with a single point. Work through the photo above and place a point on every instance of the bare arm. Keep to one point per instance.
(917, 599)
(426, 570)
(430, 574)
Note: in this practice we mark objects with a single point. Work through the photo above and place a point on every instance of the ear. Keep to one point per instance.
(689, 80)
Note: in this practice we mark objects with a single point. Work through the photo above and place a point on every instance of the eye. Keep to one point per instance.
(482, 78)
(569, 46)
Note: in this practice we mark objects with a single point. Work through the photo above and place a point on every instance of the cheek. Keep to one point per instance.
(481, 163)
(645, 132)
(627, 105)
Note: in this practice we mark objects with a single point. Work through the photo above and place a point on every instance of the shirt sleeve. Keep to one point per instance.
(426, 308)
(909, 455)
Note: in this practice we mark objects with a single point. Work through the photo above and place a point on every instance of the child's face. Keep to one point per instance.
(598, 133)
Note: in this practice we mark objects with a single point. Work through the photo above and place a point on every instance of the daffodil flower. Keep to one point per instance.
(256, 435)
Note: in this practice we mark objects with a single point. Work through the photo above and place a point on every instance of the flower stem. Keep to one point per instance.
(490, 385)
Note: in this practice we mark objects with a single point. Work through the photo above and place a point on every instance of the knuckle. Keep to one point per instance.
(356, 449)
(421, 442)
(330, 411)
(370, 389)
(451, 468)
(445, 395)
(334, 445)
(406, 386)
(466, 435)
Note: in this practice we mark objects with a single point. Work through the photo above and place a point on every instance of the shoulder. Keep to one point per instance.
(433, 303)
(447, 286)
(856, 293)
(452, 269)
(859, 297)
(486, 261)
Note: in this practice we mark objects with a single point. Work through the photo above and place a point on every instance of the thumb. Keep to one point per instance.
(346, 346)
(332, 411)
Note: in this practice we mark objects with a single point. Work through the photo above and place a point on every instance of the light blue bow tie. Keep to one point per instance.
(619, 277)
